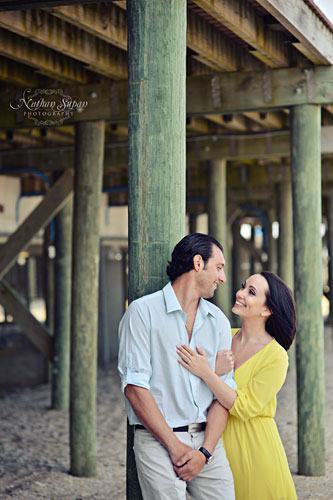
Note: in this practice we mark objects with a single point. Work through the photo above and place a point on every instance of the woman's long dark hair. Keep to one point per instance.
(282, 323)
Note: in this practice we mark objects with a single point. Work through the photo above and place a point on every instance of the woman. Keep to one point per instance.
(251, 439)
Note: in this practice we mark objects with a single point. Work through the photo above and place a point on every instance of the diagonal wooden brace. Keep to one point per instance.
(37, 333)
(52, 203)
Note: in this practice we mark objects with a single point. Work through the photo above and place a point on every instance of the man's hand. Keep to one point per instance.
(225, 362)
(190, 465)
(178, 451)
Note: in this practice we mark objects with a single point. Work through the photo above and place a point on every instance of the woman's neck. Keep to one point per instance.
(254, 331)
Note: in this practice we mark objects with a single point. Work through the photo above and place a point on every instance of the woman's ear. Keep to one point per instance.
(266, 312)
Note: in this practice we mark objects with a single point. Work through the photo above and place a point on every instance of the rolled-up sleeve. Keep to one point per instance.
(262, 388)
(134, 364)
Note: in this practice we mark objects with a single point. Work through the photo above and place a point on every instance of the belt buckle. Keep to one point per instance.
(195, 427)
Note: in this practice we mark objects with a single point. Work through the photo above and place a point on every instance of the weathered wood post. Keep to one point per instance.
(329, 208)
(252, 257)
(31, 279)
(285, 240)
(89, 153)
(48, 282)
(272, 262)
(156, 112)
(193, 224)
(286, 243)
(218, 224)
(306, 183)
(62, 308)
(237, 276)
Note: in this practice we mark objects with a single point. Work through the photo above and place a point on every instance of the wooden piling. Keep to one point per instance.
(218, 225)
(89, 153)
(306, 185)
(62, 303)
(156, 112)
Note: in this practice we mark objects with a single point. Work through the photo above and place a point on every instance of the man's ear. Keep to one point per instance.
(198, 262)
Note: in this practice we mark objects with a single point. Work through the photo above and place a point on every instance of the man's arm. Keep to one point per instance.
(192, 462)
(148, 413)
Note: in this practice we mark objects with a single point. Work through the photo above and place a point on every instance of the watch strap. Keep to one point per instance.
(205, 452)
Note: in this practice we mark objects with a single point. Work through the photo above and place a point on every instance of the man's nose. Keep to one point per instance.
(223, 277)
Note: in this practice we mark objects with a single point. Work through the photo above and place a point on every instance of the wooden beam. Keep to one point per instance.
(107, 22)
(226, 93)
(50, 62)
(202, 126)
(251, 146)
(240, 17)
(52, 203)
(36, 4)
(304, 24)
(17, 74)
(256, 91)
(60, 36)
(267, 119)
(232, 122)
(37, 333)
(232, 147)
(214, 48)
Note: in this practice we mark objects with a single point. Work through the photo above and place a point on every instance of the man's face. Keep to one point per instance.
(211, 274)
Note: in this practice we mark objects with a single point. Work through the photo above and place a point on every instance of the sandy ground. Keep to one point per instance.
(34, 449)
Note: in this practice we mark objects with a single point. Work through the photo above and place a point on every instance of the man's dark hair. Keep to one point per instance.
(183, 253)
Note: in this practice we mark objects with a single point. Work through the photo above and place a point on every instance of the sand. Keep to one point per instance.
(34, 442)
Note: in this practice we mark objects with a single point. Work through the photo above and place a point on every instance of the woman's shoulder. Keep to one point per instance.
(275, 350)
(234, 331)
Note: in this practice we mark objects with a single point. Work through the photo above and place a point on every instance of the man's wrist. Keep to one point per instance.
(208, 456)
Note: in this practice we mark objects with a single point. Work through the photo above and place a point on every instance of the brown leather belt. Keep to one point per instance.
(201, 426)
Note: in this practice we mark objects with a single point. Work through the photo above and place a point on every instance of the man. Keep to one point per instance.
(177, 423)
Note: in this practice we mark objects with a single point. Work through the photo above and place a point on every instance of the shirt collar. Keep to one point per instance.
(171, 301)
(172, 304)
(206, 308)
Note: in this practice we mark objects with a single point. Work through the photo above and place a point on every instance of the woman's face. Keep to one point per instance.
(251, 298)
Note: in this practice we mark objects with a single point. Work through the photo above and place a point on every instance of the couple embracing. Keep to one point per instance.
(187, 382)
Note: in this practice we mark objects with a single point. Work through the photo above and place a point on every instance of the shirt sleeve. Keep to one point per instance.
(134, 364)
(261, 389)
(225, 343)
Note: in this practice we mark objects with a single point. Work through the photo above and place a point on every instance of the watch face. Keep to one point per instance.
(209, 459)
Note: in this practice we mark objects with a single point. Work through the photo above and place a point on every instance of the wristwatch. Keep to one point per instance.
(209, 456)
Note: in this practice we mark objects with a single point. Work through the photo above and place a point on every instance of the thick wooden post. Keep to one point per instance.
(329, 207)
(217, 224)
(48, 265)
(272, 262)
(48, 279)
(237, 275)
(285, 241)
(156, 111)
(89, 153)
(62, 308)
(306, 182)
(193, 224)
(252, 247)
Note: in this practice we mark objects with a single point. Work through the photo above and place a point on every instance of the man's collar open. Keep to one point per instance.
(172, 304)
(171, 301)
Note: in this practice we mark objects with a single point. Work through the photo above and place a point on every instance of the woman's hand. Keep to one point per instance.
(196, 363)
(225, 362)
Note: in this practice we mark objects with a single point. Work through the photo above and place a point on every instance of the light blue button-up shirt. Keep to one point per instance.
(149, 332)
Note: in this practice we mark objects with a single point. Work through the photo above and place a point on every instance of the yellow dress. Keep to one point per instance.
(251, 439)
